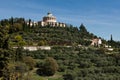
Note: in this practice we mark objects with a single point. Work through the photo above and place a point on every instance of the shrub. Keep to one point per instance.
(30, 62)
(49, 67)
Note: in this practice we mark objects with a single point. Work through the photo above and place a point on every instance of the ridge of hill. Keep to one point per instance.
(19, 28)
(48, 35)
(56, 36)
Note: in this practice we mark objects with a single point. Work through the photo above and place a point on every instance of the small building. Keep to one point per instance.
(96, 42)
(110, 49)
(51, 21)
(30, 48)
(32, 23)
(35, 48)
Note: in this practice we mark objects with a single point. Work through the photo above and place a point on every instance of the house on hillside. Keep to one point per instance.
(51, 21)
(96, 42)
(32, 23)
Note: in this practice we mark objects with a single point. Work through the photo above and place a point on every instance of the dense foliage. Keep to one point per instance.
(82, 63)
(4, 52)
(12, 66)
(23, 34)
(70, 56)
(48, 68)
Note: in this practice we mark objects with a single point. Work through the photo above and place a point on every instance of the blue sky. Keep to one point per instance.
(101, 17)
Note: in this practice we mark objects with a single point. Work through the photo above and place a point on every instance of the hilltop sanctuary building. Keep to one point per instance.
(50, 20)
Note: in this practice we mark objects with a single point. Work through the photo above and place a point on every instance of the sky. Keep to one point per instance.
(101, 17)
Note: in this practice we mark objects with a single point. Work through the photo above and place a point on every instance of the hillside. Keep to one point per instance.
(55, 36)
(48, 35)
(80, 63)
(65, 61)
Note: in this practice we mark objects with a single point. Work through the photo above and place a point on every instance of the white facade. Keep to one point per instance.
(35, 48)
(96, 42)
(49, 18)
(32, 23)
(99, 41)
(30, 48)
(51, 21)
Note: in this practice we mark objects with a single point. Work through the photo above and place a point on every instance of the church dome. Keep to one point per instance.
(49, 14)
(49, 18)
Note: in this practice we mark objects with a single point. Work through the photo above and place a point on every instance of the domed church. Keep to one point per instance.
(51, 21)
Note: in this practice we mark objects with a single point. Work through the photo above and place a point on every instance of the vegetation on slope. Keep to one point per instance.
(70, 61)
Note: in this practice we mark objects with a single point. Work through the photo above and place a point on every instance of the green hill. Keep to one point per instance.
(55, 36)
(47, 35)
(65, 61)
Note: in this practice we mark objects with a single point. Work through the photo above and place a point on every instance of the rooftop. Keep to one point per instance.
(49, 15)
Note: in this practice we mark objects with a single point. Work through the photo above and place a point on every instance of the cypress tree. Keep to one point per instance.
(111, 39)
